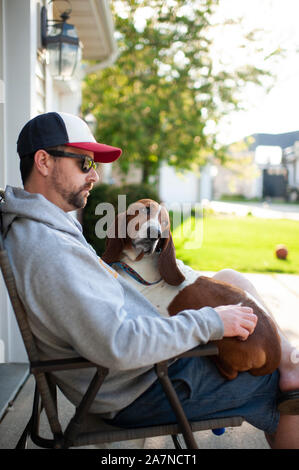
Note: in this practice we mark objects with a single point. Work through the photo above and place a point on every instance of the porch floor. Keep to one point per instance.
(279, 291)
(12, 377)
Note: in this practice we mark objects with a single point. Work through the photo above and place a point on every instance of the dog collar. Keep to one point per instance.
(125, 267)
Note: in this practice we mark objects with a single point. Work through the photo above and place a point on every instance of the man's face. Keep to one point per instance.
(69, 182)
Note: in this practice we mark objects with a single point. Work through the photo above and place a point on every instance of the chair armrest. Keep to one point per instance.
(209, 349)
(63, 364)
(82, 363)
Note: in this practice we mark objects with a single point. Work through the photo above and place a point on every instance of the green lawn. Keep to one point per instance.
(243, 243)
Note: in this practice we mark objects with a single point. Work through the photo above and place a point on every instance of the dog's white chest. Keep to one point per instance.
(161, 294)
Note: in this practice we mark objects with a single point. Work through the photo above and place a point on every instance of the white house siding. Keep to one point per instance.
(40, 78)
(3, 296)
(174, 187)
(18, 57)
(185, 186)
(29, 90)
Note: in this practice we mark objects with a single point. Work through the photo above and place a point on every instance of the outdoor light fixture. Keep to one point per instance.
(62, 43)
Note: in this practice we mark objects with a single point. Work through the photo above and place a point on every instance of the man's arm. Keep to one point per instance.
(84, 308)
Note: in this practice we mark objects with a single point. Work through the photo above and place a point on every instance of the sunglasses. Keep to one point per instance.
(87, 163)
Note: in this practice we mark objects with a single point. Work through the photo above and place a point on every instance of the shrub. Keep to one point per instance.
(109, 193)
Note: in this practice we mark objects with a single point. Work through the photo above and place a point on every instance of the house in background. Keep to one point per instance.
(290, 160)
(261, 166)
(265, 174)
(186, 186)
(28, 88)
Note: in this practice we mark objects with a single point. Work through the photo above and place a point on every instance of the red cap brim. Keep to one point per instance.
(102, 153)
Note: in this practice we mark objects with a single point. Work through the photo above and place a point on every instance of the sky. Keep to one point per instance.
(278, 110)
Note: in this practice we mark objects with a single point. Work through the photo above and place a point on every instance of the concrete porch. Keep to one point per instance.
(280, 292)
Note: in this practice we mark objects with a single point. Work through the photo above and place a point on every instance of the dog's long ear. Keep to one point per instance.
(167, 264)
(116, 238)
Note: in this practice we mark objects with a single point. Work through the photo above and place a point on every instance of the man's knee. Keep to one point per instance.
(228, 275)
(233, 277)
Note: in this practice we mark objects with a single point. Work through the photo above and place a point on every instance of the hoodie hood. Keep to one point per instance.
(19, 204)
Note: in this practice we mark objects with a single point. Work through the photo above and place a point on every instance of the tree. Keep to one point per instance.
(165, 95)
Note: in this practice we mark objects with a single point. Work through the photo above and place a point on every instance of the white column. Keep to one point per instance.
(20, 58)
(19, 45)
(3, 295)
(2, 98)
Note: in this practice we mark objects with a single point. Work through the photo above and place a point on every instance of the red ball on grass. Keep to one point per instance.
(281, 251)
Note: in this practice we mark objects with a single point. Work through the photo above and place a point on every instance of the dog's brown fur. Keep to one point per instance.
(260, 354)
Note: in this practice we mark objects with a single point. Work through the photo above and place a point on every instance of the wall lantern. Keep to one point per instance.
(62, 43)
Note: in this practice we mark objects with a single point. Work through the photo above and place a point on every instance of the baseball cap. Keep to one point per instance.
(52, 129)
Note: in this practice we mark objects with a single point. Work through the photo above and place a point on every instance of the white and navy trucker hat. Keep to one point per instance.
(52, 129)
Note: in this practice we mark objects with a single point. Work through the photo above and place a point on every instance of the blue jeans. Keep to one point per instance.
(205, 394)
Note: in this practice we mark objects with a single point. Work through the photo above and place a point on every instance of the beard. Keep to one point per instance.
(74, 197)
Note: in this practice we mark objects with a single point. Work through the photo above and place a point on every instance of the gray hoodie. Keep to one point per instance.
(77, 305)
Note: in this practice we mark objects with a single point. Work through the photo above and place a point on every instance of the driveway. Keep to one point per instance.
(258, 209)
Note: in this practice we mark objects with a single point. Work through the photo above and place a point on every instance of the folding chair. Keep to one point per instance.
(85, 428)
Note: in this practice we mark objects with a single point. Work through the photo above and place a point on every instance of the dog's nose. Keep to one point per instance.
(153, 232)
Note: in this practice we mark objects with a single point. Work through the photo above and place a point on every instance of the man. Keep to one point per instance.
(77, 305)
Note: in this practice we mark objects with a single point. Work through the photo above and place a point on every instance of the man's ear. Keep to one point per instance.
(43, 162)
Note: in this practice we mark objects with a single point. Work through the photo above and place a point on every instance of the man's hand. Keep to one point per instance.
(238, 321)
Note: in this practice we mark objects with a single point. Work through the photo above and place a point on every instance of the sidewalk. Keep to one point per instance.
(266, 210)
(281, 294)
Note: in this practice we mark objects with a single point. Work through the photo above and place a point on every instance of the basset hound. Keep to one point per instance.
(140, 247)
